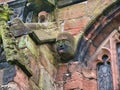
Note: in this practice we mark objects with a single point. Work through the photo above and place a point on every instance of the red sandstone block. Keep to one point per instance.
(92, 49)
(74, 11)
(35, 68)
(21, 79)
(74, 26)
(61, 72)
(74, 66)
(78, 81)
(78, 84)
(74, 31)
(76, 76)
(89, 84)
(76, 23)
(70, 15)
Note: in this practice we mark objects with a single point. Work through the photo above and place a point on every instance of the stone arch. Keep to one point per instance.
(97, 32)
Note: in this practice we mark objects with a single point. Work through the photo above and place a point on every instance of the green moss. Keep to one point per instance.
(31, 46)
(5, 12)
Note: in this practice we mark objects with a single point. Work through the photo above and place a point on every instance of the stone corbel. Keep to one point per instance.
(38, 32)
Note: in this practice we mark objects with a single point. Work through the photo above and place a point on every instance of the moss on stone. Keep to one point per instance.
(32, 46)
(5, 12)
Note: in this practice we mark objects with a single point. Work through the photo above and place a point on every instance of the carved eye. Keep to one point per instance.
(67, 43)
(59, 43)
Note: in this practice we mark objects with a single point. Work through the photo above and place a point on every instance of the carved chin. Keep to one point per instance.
(65, 55)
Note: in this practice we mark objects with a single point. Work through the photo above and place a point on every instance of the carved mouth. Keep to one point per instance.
(61, 51)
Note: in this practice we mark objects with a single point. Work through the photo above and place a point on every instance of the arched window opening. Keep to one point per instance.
(104, 74)
(118, 55)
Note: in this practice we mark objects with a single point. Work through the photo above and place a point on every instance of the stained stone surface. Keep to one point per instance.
(18, 28)
(9, 74)
(46, 81)
(43, 36)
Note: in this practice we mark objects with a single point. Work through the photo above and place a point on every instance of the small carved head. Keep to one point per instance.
(65, 46)
(42, 16)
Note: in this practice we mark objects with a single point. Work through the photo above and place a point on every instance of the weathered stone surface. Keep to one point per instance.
(43, 36)
(86, 11)
(33, 86)
(18, 28)
(12, 86)
(33, 64)
(8, 74)
(61, 71)
(74, 11)
(78, 81)
(46, 81)
(75, 26)
(30, 44)
(47, 59)
(43, 32)
(22, 79)
(75, 76)
(10, 48)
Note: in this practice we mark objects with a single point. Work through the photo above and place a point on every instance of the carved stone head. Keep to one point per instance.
(65, 46)
(42, 16)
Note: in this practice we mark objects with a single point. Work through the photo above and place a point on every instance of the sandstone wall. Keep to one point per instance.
(47, 74)
(77, 16)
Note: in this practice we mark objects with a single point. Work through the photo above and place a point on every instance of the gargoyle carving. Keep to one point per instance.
(65, 46)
